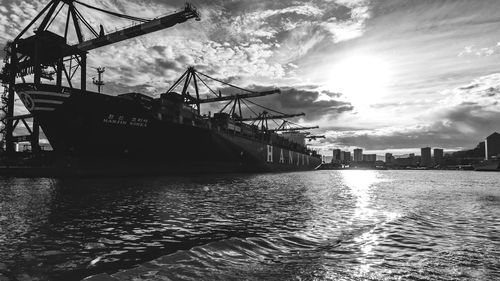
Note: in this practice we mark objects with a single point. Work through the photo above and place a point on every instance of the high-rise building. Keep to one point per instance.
(358, 155)
(369, 157)
(438, 156)
(336, 156)
(347, 157)
(492, 146)
(388, 158)
(426, 159)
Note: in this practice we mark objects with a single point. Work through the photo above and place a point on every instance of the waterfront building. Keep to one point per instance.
(336, 156)
(369, 157)
(492, 146)
(438, 156)
(402, 162)
(358, 155)
(389, 158)
(347, 157)
(426, 159)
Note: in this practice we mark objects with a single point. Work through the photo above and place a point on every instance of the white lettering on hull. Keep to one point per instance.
(282, 160)
(121, 120)
(269, 153)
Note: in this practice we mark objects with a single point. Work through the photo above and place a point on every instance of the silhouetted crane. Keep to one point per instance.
(34, 54)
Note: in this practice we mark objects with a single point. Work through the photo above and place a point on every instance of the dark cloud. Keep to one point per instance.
(339, 12)
(469, 87)
(307, 101)
(159, 49)
(292, 100)
(165, 64)
(331, 94)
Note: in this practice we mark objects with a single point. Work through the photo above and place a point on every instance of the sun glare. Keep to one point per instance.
(362, 79)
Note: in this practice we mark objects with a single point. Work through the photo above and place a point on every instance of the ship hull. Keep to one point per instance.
(93, 133)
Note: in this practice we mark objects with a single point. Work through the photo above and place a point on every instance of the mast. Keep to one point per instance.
(99, 83)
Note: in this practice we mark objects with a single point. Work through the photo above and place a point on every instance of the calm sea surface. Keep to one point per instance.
(321, 225)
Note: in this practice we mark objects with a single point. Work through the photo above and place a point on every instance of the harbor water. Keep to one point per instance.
(319, 225)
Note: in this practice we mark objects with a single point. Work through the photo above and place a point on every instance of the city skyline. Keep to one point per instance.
(488, 148)
(338, 154)
(383, 75)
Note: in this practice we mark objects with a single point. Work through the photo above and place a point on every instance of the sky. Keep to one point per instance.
(382, 75)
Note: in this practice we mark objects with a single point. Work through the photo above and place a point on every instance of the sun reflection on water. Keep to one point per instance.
(362, 185)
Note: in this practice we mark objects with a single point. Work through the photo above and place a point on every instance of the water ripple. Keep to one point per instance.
(324, 225)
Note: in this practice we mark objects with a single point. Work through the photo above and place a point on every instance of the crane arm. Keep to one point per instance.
(232, 97)
(293, 129)
(140, 29)
(263, 117)
(315, 137)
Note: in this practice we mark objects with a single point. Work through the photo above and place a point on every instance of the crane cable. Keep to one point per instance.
(113, 13)
(243, 100)
(266, 108)
(225, 83)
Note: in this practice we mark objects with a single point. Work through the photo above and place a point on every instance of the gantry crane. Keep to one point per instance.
(191, 75)
(264, 115)
(35, 54)
(288, 126)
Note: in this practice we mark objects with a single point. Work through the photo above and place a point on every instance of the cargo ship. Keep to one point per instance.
(94, 133)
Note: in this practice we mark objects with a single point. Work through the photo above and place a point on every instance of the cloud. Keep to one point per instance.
(482, 91)
(350, 28)
(463, 118)
(297, 100)
(479, 51)
(253, 41)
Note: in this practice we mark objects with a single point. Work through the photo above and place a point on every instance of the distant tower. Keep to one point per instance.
(438, 156)
(99, 82)
(358, 155)
(347, 157)
(492, 146)
(388, 158)
(426, 159)
(336, 156)
(369, 157)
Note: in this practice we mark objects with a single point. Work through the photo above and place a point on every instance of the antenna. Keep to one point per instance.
(99, 82)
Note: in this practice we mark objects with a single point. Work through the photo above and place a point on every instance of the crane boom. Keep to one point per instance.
(315, 137)
(232, 97)
(140, 29)
(264, 117)
(293, 129)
